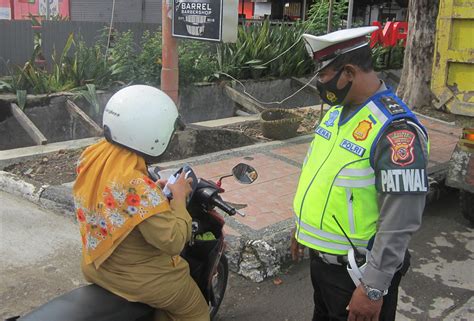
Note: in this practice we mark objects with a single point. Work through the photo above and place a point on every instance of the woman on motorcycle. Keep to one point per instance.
(132, 235)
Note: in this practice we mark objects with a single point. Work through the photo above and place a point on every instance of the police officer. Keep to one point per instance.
(363, 182)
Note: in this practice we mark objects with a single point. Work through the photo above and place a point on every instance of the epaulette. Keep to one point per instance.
(392, 105)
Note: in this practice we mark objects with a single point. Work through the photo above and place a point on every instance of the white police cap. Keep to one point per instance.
(325, 49)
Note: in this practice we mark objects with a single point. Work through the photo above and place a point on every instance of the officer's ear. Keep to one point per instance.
(350, 71)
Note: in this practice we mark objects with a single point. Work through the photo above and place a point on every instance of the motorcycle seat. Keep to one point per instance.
(89, 303)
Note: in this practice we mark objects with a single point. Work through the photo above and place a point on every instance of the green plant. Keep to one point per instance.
(318, 13)
(21, 98)
(36, 23)
(5, 86)
(388, 57)
(122, 56)
(196, 61)
(58, 17)
(149, 58)
(265, 50)
(397, 55)
(90, 95)
(88, 66)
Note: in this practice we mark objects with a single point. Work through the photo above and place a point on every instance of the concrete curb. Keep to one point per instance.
(13, 184)
(57, 198)
(12, 156)
(241, 151)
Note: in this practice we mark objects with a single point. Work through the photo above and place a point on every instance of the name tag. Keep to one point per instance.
(353, 148)
(403, 180)
(324, 133)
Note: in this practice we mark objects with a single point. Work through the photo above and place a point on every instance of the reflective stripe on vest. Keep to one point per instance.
(323, 244)
(356, 172)
(354, 182)
(329, 236)
(377, 112)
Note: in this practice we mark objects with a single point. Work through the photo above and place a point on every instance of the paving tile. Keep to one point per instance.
(266, 204)
(270, 199)
(440, 128)
(296, 152)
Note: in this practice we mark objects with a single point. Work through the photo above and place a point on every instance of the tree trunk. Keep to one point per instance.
(414, 88)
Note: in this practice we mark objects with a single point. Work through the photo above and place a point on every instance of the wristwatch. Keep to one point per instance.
(374, 294)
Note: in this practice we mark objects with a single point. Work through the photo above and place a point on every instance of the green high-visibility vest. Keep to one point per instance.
(337, 179)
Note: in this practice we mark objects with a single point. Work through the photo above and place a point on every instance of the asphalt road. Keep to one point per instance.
(40, 253)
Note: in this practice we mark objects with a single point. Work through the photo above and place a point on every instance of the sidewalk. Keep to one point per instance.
(259, 242)
(269, 200)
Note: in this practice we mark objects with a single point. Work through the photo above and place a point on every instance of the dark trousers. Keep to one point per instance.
(333, 288)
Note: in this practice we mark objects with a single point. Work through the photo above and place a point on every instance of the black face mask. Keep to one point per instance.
(329, 92)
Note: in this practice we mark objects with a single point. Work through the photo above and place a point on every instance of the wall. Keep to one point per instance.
(16, 38)
(247, 8)
(210, 101)
(148, 11)
(262, 9)
(5, 10)
(23, 8)
(16, 43)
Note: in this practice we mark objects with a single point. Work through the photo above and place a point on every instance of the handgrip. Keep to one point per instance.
(219, 202)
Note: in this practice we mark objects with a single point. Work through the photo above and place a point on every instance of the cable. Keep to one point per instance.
(110, 30)
(269, 102)
(266, 63)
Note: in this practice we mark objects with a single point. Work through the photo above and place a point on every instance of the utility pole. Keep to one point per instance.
(349, 14)
(331, 6)
(169, 55)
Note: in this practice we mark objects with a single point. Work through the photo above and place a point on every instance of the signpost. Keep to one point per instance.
(209, 20)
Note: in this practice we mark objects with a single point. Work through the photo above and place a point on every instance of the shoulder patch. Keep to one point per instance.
(400, 162)
(392, 105)
(402, 147)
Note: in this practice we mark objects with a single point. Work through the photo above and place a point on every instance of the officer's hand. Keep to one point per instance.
(361, 308)
(181, 188)
(297, 250)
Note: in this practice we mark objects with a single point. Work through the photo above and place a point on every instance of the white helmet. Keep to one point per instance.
(142, 118)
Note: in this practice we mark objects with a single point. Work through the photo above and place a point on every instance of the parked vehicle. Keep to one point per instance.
(461, 173)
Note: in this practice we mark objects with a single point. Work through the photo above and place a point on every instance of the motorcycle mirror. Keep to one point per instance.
(244, 173)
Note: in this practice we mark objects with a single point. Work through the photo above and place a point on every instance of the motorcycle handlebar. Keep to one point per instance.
(219, 202)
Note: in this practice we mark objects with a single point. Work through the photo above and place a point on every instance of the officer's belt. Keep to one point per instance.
(331, 258)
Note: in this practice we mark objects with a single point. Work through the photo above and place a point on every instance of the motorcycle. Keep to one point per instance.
(204, 254)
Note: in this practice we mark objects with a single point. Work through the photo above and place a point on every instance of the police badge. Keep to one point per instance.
(402, 147)
(362, 130)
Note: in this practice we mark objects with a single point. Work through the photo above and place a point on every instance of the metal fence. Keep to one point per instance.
(16, 38)
(16, 43)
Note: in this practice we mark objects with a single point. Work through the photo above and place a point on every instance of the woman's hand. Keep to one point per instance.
(181, 188)
(162, 183)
